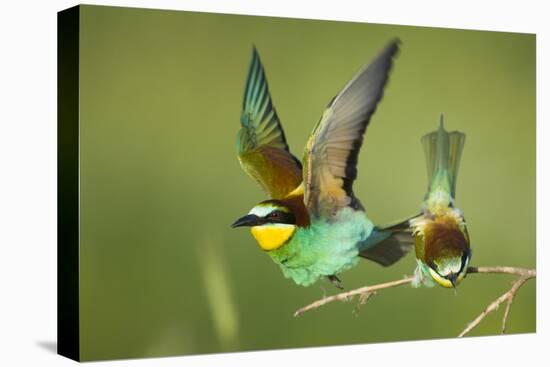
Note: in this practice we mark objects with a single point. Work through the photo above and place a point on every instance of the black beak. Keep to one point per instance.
(246, 221)
(452, 278)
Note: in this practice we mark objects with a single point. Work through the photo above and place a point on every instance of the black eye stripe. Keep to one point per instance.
(434, 268)
(464, 259)
(278, 216)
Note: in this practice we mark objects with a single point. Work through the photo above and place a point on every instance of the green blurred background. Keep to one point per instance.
(161, 271)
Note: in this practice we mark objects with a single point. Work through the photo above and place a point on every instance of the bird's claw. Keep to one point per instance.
(335, 281)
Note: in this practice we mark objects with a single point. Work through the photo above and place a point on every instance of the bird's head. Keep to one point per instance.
(272, 224)
(445, 247)
(448, 270)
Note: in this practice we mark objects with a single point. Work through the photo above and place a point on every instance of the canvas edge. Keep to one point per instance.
(68, 165)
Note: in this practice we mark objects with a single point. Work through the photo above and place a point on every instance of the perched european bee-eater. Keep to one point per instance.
(442, 243)
(313, 226)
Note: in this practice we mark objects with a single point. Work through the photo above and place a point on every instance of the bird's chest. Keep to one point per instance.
(323, 248)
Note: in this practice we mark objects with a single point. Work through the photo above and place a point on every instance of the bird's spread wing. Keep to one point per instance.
(330, 157)
(261, 144)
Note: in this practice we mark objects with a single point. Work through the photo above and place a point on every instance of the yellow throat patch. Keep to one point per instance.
(446, 282)
(272, 236)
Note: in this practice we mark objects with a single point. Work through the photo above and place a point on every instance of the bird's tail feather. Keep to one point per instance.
(443, 151)
(387, 244)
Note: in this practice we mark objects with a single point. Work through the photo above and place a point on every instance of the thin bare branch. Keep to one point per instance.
(506, 313)
(503, 270)
(365, 293)
(344, 296)
(508, 296)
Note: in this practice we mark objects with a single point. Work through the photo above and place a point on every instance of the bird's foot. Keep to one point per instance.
(335, 281)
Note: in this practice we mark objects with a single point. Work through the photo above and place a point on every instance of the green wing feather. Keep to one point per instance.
(443, 151)
(261, 144)
(330, 157)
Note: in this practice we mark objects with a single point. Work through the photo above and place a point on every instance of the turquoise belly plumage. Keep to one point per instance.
(324, 248)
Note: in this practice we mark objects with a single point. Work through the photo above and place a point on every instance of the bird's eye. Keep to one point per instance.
(274, 215)
(432, 265)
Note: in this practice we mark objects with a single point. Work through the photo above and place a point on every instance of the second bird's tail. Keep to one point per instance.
(443, 151)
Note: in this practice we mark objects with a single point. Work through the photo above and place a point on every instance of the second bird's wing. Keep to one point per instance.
(330, 157)
(261, 145)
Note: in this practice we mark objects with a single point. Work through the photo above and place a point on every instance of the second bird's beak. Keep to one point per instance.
(452, 278)
(246, 221)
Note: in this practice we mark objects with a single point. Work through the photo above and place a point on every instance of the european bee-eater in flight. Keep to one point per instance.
(442, 242)
(313, 226)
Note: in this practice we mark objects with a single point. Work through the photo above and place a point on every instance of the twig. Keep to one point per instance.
(506, 313)
(508, 296)
(344, 296)
(503, 270)
(366, 292)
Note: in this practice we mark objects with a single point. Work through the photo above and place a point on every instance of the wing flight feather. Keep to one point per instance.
(331, 154)
(261, 144)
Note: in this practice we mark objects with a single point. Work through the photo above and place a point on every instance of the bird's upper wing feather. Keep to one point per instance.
(330, 157)
(261, 144)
